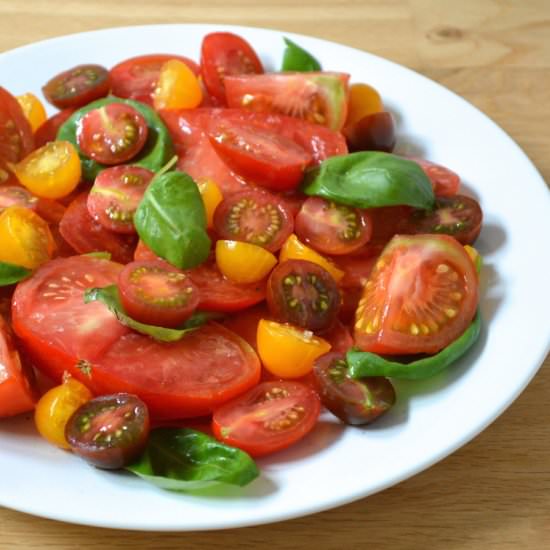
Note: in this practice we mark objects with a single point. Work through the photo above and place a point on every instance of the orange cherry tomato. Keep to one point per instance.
(363, 100)
(177, 87)
(287, 351)
(56, 406)
(211, 197)
(25, 238)
(244, 262)
(33, 110)
(294, 249)
(52, 171)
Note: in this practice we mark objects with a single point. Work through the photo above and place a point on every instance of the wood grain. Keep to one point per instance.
(493, 494)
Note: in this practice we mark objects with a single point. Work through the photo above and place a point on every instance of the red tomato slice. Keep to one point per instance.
(223, 54)
(16, 138)
(48, 131)
(136, 78)
(144, 253)
(112, 134)
(421, 295)
(220, 294)
(268, 418)
(318, 97)
(445, 182)
(245, 323)
(85, 235)
(260, 155)
(77, 86)
(16, 391)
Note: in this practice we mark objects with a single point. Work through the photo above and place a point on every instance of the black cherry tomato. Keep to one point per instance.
(374, 132)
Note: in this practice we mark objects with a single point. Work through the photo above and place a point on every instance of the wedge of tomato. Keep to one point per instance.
(420, 296)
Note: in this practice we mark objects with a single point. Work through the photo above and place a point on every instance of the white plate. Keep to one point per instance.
(332, 466)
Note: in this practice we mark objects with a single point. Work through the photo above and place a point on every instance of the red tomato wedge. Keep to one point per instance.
(136, 78)
(268, 418)
(445, 182)
(60, 333)
(48, 131)
(225, 54)
(16, 392)
(421, 295)
(318, 97)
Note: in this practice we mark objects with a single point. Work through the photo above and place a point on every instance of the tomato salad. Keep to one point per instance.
(202, 257)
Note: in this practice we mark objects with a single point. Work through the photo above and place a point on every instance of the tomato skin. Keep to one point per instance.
(374, 132)
(243, 263)
(48, 130)
(137, 77)
(77, 86)
(85, 235)
(177, 87)
(445, 182)
(223, 54)
(245, 323)
(421, 295)
(14, 195)
(270, 417)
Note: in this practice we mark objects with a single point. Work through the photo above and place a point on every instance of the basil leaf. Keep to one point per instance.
(296, 58)
(362, 363)
(181, 459)
(370, 179)
(11, 273)
(110, 297)
(171, 220)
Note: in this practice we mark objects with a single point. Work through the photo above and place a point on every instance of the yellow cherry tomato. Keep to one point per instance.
(294, 249)
(33, 110)
(56, 406)
(363, 100)
(287, 351)
(177, 87)
(211, 197)
(244, 262)
(475, 256)
(52, 171)
(25, 238)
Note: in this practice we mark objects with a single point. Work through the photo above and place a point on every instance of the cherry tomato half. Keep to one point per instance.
(77, 86)
(304, 294)
(445, 182)
(115, 196)
(157, 293)
(109, 431)
(177, 87)
(222, 54)
(112, 134)
(268, 418)
(243, 262)
(254, 216)
(374, 132)
(13, 195)
(332, 228)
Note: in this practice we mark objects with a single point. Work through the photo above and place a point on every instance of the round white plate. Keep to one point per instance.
(334, 465)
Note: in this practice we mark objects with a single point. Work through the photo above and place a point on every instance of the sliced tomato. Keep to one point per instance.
(85, 234)
(112, 134)
(224, 54)
(245, 323)
(260, 154)
(17, 394)
(458, 216)
(61, 333)
(143, 252)
(48, 131)
(321, 98)
(270, 417)
(445, 182)
(217, 293)
(421, 295)
(157, 293)
(136, 78)
(16, 138)
(78, 86)
(332, 228)
(254, 216)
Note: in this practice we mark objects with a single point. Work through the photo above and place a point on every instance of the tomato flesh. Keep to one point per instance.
(421, 295)
(445, 182)
(112, 134)
(270, 417)
(13, 195)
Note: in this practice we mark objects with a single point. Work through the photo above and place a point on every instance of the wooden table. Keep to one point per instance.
(495, 492)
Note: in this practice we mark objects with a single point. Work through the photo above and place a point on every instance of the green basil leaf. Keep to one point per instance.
(296, 58)
(370, 179)
(11, 274)
(362, 363)
(171, 220)
(110, 297)
(158, 148)
(181, 459)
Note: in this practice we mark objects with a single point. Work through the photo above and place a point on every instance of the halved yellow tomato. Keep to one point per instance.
(244, 262)
(363, 100)
(177, 87)
(33, 110)
(211, 197)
